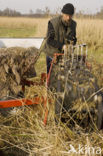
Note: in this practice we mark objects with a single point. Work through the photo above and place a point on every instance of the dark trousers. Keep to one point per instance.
(48, 63)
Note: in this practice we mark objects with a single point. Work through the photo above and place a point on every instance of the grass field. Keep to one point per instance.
(23, 133)
(22, 27)
(89, 31)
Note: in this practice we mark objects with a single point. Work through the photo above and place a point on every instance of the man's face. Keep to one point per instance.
(66, 17)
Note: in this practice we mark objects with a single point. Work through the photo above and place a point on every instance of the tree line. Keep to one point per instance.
(47, 13)
(13, 13)
(9, 12)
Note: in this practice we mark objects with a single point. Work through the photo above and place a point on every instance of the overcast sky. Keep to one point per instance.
(24, 6)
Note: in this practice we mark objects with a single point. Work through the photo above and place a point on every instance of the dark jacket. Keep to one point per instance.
(57, 34)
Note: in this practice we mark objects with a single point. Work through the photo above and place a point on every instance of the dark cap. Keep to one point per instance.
(68, 9)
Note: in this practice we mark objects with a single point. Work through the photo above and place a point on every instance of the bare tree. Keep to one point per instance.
(39, 11)
(47, 11)
(31, 12)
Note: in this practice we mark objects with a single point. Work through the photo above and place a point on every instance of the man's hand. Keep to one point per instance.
(72, 40)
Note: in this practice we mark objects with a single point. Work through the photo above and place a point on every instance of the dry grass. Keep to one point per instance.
(88, 30)
(17, 22)
(23, 132)
(38, 26)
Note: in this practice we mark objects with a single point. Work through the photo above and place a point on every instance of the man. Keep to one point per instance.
(61, 29)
